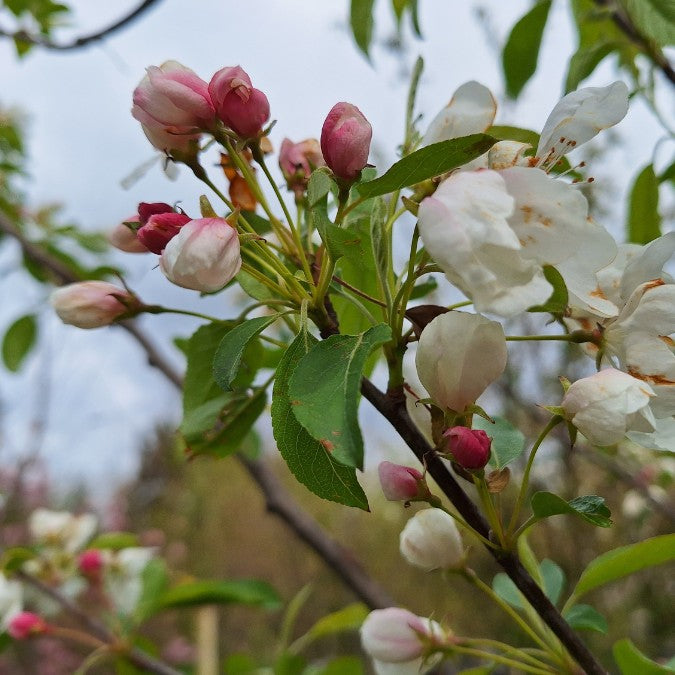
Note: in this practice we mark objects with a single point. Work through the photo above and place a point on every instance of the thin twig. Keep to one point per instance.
(83, 40)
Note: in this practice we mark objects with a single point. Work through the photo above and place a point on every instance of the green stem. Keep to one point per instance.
(457, 305)
(263, 303)
(401, 300)
(510, 649)
(488, 505)
(158, 309)
(554, 421)
(489, 656)
(464, 524)
(576, 337)
(473, 578)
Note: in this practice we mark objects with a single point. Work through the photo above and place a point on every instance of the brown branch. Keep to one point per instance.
(83, 40)
(337, 557)
(136, 656)
(394, 410)
(625, 24)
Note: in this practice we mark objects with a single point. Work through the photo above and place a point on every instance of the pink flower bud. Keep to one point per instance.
(147, 209)
(160, 230)
(91, 304)
(124, 238)
(25, 625)
(91, 563)
(470, 448)
(345, 141)
(401, 482)
(238, 104)
(172, 104)
(203, 256)
(297, 161)
(395, 635)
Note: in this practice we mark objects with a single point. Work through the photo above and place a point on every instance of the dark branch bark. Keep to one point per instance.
(83, 40)
(139, 658)
(394, 410)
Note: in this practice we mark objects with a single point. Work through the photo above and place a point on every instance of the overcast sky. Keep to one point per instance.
(82, 141)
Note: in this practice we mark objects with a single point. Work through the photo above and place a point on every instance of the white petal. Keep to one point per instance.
(580, 115)
(648, 265)
(506, 154)
(471, 110)
(662, 438)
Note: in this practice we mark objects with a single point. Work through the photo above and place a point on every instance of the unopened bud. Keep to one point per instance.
(91, 563)
(395, 635)
(25, 625)
(91, 304)
(147, 209)
(160, 229)
(124, 237)
(470, 448)
(430, 540)
(345, 141)
(401, 483)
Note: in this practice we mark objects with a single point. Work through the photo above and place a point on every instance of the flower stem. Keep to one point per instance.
(490, 656)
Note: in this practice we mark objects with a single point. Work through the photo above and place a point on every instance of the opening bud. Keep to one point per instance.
(431, 540)
(297, 161)
(160, 229)
(470, 448)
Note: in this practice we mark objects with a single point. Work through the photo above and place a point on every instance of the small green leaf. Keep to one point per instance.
(585, 617)
(231, 349)
(557, 303)
(553, 579)
(626, 560)
(508, 442)
(668, 174)
(424, 288)
(507, 590)
(348, 618)
(324, 391)
(342, 665)
(379, 240)
(632, 661)
(114, 541)
(242, 591)
(591, 507)
(361, 21)
(427, 162)
(508, 133)
(18, 341)
(308, 460)
(14, 558)
(155, 580)
(521, 52)
(585, 60)
(320, 185)
(644, 221)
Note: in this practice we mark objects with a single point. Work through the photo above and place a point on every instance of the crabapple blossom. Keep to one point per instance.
(470, 448)
(203, 256)
(605, 406)
(172, 104)
(430, 540)
(458, 356)
(11, 600)
(91, 304)
(395, 635)
(401, 482)
(61, 529)
(123, 579)
(345, 141)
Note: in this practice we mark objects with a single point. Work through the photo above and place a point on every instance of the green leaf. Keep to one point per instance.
(114, 541)
(644, 221)
(342, 665)
(240, 664)
(14, 558)
(584, 61)
(668, 174)
(626, 560)
(18, 341)
(591, 507)
(230, 351)
(320, 185)
(361, 21)
(324, 390)
(508, 442)
(241, 591)
(307, 459)
(585, 617)
(290, 664)
(557, 303)
(553, 579)
(427, 162)
(154, 580)
(507, 590)
(253, 287)
(424, 288)
(521, 52)
(632, 661)
(655, 19)
(348, 618)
